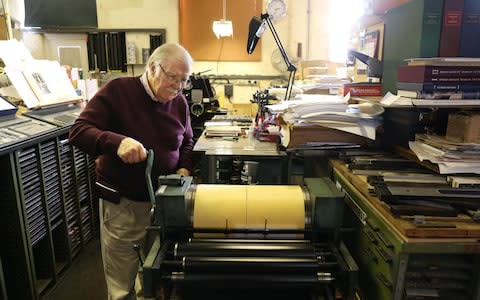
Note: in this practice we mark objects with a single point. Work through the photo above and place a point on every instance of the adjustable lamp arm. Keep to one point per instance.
(290, 67)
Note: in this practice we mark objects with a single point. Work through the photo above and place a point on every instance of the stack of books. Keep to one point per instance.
(441, 78)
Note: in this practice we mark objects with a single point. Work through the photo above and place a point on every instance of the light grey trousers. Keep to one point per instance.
(121, 227)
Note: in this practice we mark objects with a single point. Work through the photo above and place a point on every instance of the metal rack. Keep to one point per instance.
(46, 212)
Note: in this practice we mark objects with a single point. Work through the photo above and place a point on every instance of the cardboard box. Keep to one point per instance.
(464, 127)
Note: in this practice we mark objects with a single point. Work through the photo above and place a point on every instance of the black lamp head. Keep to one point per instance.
(374, 66)
(255, 29)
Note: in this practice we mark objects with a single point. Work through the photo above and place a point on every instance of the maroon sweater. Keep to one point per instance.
(122, 108)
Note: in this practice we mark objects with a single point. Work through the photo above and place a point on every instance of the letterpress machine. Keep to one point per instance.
(247, 242)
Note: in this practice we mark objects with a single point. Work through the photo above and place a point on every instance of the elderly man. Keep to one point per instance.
(127, 116)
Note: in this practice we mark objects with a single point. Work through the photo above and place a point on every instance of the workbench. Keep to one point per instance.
(219, 154)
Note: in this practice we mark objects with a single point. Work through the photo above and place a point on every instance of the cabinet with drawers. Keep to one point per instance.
(394, 266)
(46, 212)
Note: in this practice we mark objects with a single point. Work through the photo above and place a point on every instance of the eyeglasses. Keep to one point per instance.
(174, 78)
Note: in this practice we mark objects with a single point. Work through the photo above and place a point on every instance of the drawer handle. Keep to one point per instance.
(369, 253)
(384, 281)
(370, 236)
(384, 255)
(373, 224)
(384, 240)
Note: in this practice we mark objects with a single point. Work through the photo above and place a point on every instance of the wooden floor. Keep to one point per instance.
(83, 279)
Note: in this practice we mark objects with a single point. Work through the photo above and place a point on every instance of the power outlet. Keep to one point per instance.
(228, 90)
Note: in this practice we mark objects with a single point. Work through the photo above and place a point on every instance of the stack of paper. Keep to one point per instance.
(451, 157)
(223, 131)
(332, 112)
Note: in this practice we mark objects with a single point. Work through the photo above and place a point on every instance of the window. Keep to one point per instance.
(343, 15)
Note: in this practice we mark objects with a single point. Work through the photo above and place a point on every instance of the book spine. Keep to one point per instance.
(443, 103)
(437, 87)
(451, 28)
(445, 95)
(432, 23)
(469, 38)
(422, 74)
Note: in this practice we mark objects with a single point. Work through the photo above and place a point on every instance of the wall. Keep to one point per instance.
(303, 25)
(153, 14)
(303, 17)
(308, 25)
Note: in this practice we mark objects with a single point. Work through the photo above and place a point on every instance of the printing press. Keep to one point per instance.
(247, 241)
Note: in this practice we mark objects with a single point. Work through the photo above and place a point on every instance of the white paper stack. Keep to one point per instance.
(332, 112)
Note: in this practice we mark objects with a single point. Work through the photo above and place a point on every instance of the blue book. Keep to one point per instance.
(470, 35)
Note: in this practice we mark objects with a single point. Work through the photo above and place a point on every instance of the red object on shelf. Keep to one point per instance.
(363, 89)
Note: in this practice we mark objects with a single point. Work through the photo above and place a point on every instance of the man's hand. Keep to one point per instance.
(131, 151)
(183, 172)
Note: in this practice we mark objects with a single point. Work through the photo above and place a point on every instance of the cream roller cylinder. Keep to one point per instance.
(275, 207)
(220, 207)
(255, 207)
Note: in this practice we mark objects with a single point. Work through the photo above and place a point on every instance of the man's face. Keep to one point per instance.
(168, 79)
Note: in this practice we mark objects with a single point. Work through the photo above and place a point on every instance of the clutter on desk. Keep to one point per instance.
(408, 189)
(450, 156)
(265, 125)
(326, 119)
(244, 122)
(14, 128)
(224, 131)
(322, 84)
(227, 126)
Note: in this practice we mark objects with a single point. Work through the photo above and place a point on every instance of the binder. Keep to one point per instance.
(469, 39)
(411, 30)
(451, 28)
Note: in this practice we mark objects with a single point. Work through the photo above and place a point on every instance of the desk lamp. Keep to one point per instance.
(255, 31)
(374, 66)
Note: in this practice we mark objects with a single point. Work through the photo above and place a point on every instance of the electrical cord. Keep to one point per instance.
(220, 53)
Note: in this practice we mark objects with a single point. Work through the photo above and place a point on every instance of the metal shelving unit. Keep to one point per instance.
(46, 212)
